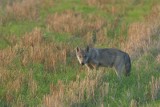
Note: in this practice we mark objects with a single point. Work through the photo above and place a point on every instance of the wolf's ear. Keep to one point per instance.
(77, 49)
(87, 48)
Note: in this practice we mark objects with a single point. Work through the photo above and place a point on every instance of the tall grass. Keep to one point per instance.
(140, 34)
(89, 91)
(22, 10)
(38, 66)
(155, 87)
(73, 23)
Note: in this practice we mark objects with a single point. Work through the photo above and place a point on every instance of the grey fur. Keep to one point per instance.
(104, 57)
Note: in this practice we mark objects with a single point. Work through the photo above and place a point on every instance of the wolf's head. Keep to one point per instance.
(82, 55)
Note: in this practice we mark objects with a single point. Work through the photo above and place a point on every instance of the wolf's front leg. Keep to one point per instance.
(89, 67)
(96, 64)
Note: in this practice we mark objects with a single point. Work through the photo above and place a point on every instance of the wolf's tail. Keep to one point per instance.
(127, 65)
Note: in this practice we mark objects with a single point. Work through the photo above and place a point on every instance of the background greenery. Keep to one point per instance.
(38, 66)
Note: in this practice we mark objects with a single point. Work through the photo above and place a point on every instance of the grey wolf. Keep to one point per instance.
(94, 58)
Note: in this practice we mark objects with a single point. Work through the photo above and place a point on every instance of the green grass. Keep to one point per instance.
(152, 104)
(60, 6)
(138, 12)
(17, 28)
(121, 92)
(3, 44)
(56, 37)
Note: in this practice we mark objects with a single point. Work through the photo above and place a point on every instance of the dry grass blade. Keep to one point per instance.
(26, 9)
(140, 35)
(78, 91)
(155, 88)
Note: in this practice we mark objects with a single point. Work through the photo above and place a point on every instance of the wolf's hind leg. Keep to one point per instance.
(119, 70)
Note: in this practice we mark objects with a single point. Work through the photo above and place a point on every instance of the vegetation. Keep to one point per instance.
(38, 66)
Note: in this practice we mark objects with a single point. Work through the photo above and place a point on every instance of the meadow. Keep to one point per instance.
(38, 65)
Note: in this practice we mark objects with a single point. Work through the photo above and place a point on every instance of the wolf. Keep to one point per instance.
(94, 58)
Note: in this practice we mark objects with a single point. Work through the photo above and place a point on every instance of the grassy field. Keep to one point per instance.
(38, 66)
